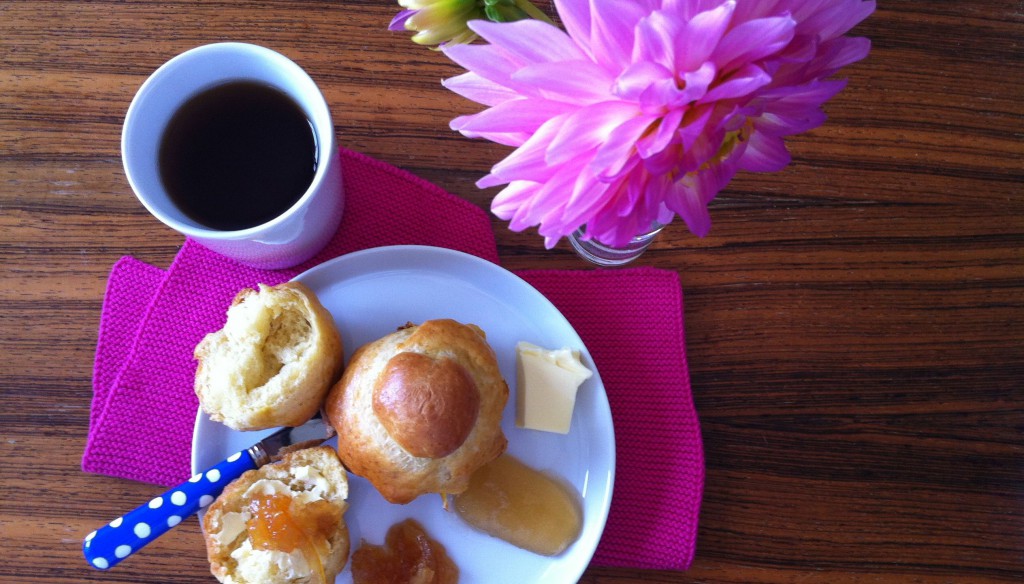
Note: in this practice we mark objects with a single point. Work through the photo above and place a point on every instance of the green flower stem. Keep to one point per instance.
(534, 12)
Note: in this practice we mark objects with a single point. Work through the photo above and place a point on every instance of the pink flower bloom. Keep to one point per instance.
(643, 110)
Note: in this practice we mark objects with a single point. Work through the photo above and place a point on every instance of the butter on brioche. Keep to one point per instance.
(273, 362)
(419, 410)
(281, 524)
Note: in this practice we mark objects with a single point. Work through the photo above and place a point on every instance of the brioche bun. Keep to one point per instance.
(311, 486)
(273, 362)
(420, 409)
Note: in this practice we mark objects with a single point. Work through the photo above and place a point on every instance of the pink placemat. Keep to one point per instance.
(631, 321)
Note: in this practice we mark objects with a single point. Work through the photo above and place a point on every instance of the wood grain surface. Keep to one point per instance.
(855, 323)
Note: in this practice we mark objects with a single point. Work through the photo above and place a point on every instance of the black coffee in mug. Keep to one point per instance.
(237, 155)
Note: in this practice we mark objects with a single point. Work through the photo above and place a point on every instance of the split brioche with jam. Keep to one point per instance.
(419, 410)
(273, 362)
(281, 524)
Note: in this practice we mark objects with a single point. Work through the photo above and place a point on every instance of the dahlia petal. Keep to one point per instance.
(515, 115)
(576, 81)
(624, 216)
(638, 77)
(665, 215)
(575, 16)
(654, 40)
(702, 149)
(813, 93)
(398, 22)
(764, 153)
(682, 10)
(531, 41)
(717, 176)
(520, 219)
(611, 32)
(650, 145)
(651, 202)
(753, 10)
(478, 89)
(546, 204)
(801, 49)
(633, 188)
(694, 212)
(803, 10)
(504, 204)
(754, 40)
(792, 110)
(696, 83)
(586, 129)
(588, 194)
(665, 94)
(687, 198)
(838, 18)
(527, 162)
(841, 52)
(514, 139)
(701, 35)
(612, 156)
(492, 180)
(489, 62)
(745, 81)
(779, 125)
(666, 161)
(538, 212)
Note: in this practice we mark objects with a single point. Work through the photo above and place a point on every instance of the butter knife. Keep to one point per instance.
(115, 541)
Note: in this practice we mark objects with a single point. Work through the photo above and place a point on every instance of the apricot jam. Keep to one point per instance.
(279, 522)
(408, 555)
(522, 506)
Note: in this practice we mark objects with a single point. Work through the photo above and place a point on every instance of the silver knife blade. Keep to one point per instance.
(313, 433)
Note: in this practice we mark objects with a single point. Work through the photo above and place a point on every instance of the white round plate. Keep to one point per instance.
(371, 293)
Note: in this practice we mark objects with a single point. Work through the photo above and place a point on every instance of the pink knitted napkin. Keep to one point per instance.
(631, 321)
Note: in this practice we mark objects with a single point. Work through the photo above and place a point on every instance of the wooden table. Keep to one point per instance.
(855, 323)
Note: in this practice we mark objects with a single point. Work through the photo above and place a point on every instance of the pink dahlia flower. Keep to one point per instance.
(643, 110)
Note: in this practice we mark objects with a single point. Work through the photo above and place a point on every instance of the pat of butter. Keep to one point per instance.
(306, 486)
(314, 482)
(232, 525)
(546, 385)
(268, 565)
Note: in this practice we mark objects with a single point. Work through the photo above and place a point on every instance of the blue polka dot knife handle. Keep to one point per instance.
(122, 537)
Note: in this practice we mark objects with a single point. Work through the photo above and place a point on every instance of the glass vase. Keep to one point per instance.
(605, 255)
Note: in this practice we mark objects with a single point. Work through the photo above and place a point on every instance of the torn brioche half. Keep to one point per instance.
(281, 524)
(272, 363)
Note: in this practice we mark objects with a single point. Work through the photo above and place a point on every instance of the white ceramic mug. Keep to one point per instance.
(286, 240)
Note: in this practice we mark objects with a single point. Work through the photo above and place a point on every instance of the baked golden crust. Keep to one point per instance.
(272, 363)
(310, 477)
(419, 410)
(428, 405)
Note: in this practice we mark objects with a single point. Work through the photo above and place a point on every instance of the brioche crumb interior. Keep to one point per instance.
(285, 337)
(286, 341)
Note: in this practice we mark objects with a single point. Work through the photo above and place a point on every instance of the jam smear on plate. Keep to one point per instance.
(408, 555)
